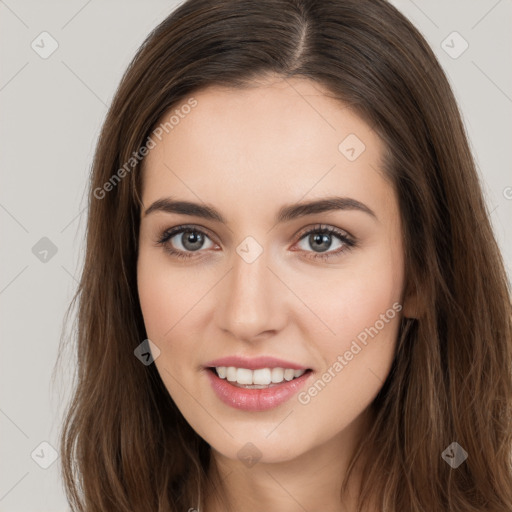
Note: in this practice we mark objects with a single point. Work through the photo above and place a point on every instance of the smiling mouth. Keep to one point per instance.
(262, 378)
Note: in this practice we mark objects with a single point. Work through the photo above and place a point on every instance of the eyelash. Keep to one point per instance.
(348, 243)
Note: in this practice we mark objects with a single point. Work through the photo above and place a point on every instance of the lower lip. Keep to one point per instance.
(255, 399)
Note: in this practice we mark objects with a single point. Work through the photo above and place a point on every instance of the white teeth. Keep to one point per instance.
(243, 376)
(289, 374)
(231, 374)
(263, 377)
(259, 377)
(277, 375)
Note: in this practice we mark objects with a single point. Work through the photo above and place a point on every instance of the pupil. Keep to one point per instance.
(193, 241)
(321, 238)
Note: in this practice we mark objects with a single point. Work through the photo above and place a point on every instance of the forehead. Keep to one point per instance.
(278, 140)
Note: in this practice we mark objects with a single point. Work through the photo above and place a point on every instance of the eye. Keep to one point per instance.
(183, 240)
(321, 239)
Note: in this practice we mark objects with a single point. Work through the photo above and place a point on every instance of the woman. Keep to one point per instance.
(292, 297)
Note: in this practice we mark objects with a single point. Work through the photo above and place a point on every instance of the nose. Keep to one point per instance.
(252, 302)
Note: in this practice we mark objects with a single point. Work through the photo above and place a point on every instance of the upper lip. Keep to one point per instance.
(254, 363)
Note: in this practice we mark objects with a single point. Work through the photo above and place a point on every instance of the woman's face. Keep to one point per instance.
(247, 279)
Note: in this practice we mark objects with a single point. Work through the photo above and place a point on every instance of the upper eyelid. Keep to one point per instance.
(176, 230)
(319, 227)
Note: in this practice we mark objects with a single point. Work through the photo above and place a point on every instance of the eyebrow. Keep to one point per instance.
(286, 213)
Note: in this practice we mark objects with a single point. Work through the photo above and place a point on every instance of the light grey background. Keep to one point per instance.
(51, 113)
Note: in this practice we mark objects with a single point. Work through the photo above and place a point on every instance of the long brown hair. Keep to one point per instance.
(125, 446)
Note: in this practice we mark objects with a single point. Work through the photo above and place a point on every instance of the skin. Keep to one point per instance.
(247, 152)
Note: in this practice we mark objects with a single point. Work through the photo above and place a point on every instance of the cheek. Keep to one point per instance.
(158, 303)
(168, 296)
(167, 303)
(362, 309)
(364, 304)
(365, 317)
(357, 299)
